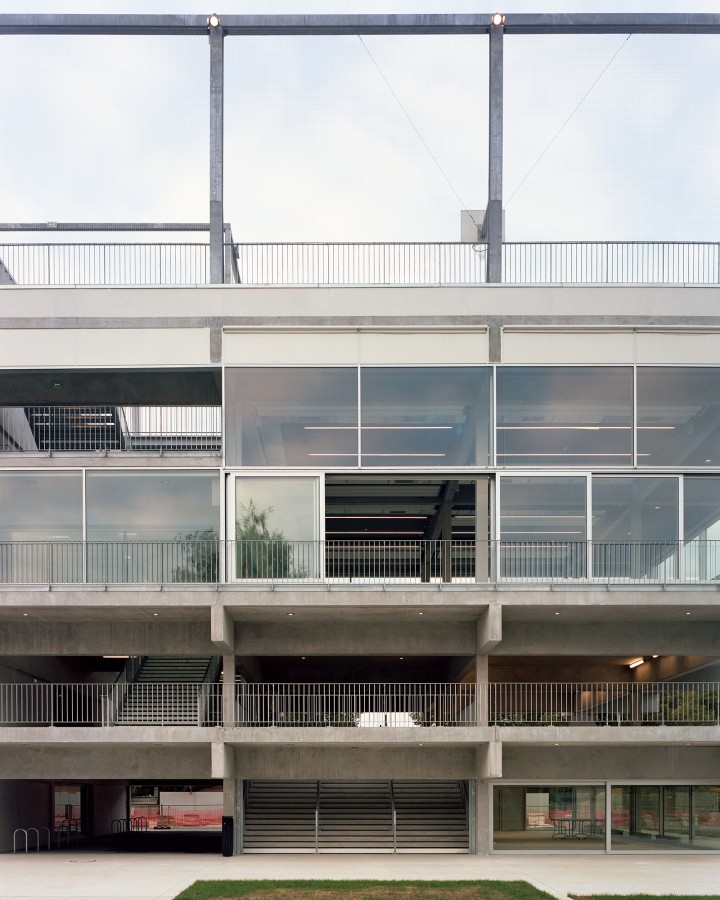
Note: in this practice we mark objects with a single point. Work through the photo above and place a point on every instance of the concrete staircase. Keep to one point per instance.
(430, 815)
(355, 817)
(167, 690)
(280, 817)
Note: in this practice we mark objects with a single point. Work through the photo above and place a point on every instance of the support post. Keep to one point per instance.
(493, 226)
(217, 236)
(229, 690)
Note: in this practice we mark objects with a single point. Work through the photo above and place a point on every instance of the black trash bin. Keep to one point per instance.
(228, 833)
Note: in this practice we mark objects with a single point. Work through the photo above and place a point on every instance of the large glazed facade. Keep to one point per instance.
(396, 555)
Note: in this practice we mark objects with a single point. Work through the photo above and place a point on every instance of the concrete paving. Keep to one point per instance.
(161, 876)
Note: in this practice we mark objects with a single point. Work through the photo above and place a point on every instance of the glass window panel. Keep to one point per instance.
(552, 817)
(152, 526)
(277, 527)
(40, 506)
(635, 527)
(294, 417)
(425, 416)
(543, 526)
(564, 416)
(41, 523)
(669, 817)
(702, 528)
(678, 413)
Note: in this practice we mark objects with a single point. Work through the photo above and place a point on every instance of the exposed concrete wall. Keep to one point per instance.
(610, 638)
(98, 763)
(23, 804)
(98, 638)
(623, 764)
(343, 764)
(350, 638)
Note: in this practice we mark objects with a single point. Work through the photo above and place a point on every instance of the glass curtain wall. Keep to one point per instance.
(678, 414)
(431, 417)
(543, 527)
(41, 527)
(702, 528)
(564, 416)
(291, 417)
(635, 527)
(552, 817)
(665, 817)
(153, 526)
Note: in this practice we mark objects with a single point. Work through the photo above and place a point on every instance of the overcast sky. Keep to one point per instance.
(318, 148)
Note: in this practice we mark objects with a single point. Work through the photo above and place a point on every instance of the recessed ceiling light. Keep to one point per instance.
(688, 614)
(26, 614)
(421, 613)
(291, 614)
(557, 613)
(156, 614)
(302, 657)
(402, 657)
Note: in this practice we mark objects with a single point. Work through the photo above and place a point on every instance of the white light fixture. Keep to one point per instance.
(637, 662)
(655, 655)
(213, 20)
(498, 19)
(116, 657)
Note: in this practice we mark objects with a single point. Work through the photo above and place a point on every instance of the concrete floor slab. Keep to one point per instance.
(161, 876)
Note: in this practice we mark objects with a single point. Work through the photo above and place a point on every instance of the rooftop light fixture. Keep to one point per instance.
(637, 662)
(213, 20)
(498, 19)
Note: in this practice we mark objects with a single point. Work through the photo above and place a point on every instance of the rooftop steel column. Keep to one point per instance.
(493, 215)
(217, 237)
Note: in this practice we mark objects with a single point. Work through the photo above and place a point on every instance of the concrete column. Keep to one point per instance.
(493, 213)
(482, 529)
(481, 681)
(217, 254)
(483, 834)
(229, 690)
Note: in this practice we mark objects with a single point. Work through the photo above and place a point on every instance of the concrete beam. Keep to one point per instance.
(222, 630)
(222, 760)
(623, 765)
(98, 638)
(88, 763)
(489, 760)
(338, 638)
(489, 629)
(354, 24)
(326, 763)
(611, 639)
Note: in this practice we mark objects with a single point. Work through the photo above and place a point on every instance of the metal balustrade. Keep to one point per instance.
(592, 703)
(278, 561)
(92, 428)
(381, 705)
(380, 263)
(111, 704)
(355, 705)
(611, 262)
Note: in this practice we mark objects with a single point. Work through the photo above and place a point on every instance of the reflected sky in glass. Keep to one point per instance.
(40, 506)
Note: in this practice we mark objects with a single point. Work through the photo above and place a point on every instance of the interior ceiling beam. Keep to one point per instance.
(353, 24)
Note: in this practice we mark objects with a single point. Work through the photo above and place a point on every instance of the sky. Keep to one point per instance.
(384, 139)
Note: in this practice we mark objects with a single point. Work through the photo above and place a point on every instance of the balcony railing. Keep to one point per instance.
(111, 704)
(382, 705)
(279, 561)
(398, 263)
(109, 428)
(355, 705)
(590, 703)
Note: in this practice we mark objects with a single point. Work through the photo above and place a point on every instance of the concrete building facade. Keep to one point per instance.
(391, 566)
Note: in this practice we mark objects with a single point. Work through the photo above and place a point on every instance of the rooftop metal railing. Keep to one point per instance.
(47, 704)
(91, 428)
(389, 263)
(277, 561)
(592, 703)
(355, 705)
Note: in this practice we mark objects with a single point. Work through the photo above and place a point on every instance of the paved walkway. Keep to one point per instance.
(72, 875)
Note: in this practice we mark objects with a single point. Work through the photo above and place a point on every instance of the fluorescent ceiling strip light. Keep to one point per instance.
(537, 516)
(370, 533)
(372, 518)
(638, 662)
(378, 427)
(622, 455)
(411, 455)
(564, 427)
(539, 533)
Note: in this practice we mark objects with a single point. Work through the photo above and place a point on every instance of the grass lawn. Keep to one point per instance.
(362, 890)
